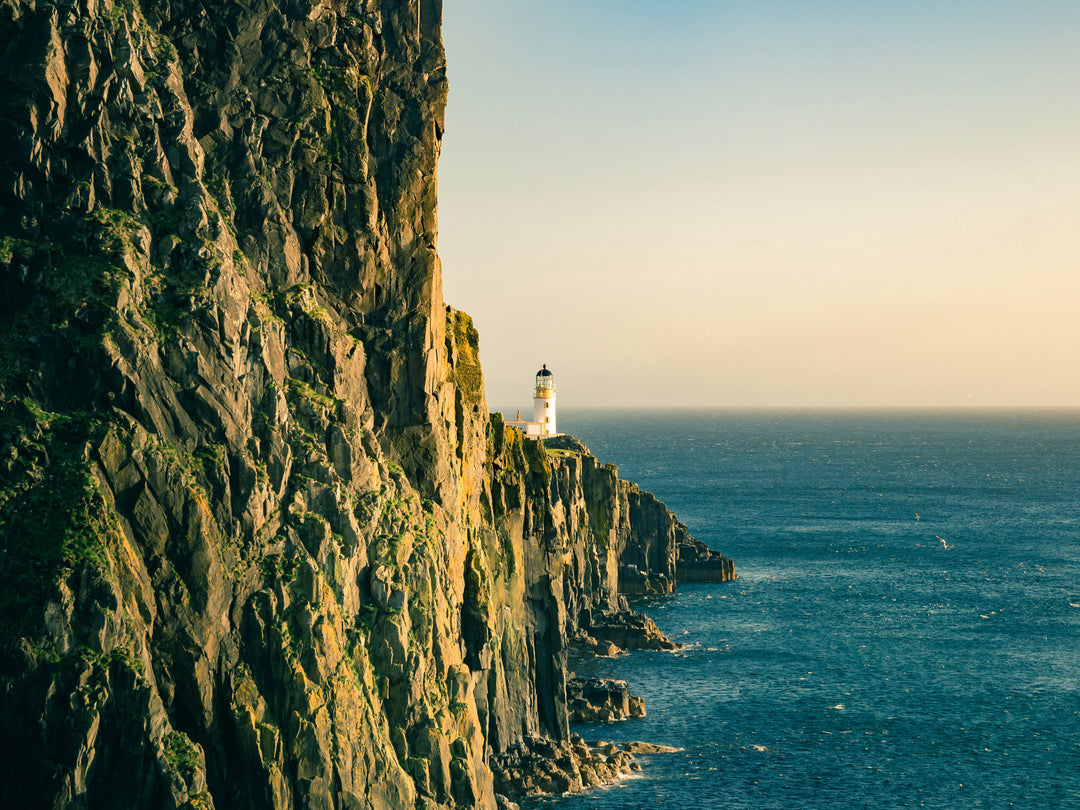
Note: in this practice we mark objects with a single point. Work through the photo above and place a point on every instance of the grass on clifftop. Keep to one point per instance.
(556, 452)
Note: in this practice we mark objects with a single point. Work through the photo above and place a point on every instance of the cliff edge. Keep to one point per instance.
(262, 544)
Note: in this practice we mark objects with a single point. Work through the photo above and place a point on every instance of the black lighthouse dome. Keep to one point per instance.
(545, 382)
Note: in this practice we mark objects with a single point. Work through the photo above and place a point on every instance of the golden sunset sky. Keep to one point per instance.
(769, 203)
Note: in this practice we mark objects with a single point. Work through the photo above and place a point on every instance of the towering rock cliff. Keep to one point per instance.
(262, 545)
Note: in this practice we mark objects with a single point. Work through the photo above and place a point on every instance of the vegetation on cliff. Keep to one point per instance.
(262, 545)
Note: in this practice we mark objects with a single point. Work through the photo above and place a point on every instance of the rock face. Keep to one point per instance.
(263, 546)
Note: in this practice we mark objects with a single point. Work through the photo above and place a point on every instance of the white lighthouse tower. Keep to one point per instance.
(544, 402)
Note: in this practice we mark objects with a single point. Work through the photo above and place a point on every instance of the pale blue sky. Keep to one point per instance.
(767, 203)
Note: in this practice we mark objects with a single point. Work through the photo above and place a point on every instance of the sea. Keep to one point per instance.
(905, 628)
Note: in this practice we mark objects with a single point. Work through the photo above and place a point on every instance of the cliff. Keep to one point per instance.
(262, 544)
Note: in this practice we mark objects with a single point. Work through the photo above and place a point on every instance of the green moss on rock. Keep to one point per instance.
(54, 518)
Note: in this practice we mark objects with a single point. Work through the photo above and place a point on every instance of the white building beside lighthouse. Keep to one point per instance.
(543, 423)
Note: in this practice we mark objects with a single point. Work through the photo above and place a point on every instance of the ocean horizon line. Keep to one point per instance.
(812, 408)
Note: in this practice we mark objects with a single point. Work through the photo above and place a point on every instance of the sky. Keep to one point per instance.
(812, 203)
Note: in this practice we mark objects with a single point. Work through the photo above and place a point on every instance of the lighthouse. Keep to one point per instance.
(543, 421)
(544, 402)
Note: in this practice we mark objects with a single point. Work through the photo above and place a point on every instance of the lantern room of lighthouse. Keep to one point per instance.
(544, 401)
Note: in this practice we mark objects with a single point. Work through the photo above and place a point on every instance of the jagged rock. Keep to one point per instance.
(696, 562)
(630, 630)
(585, 646)
(649, 748)
(633, 580)
(601, 699)
(538, 766)
(606, 649)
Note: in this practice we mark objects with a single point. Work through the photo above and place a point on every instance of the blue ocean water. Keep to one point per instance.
(905, 631)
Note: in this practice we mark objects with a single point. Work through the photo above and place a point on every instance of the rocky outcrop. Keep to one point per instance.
(602, 700)
(696, 562)
(262, 545)
(629, 630)
(638, 747)
(647, 566)
(538, 765)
